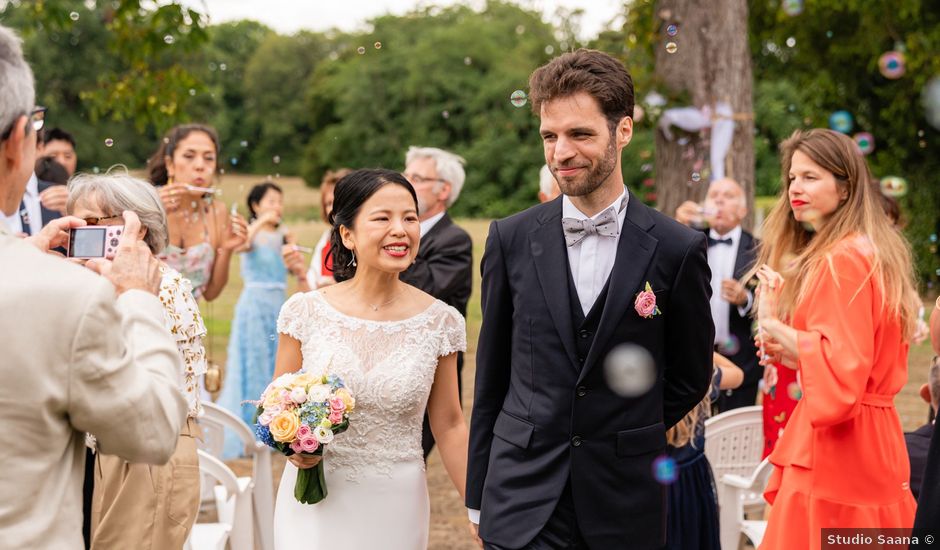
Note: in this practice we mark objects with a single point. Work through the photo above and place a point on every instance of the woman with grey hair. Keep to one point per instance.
(139, 505)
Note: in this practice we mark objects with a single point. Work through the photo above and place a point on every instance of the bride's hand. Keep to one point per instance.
(304, 461)
(475, 532)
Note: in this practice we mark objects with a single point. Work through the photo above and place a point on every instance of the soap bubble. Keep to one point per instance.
(931, 100)
(74, 16)
(518, 98)
(731, 346)
(671, 47)
(893, 186)
(629, 370)
(361, 50)
(792, 7)
(169, 40)
(109, 142)
(891, 65)
(865, 141)
(378, 45)
(665, 470)
(672, 30)
(791, 42)
(841, 121)
(276, 159)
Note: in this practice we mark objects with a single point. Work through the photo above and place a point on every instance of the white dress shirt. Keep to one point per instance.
(33, 211)
(721, 260)
(592, 259)
(427, 224)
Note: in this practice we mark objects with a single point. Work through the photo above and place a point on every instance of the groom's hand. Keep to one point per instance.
(475, 532)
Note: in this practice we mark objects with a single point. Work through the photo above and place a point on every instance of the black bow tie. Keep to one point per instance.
(713, 242)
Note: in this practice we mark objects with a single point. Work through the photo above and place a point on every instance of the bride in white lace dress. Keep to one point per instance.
(395, 348)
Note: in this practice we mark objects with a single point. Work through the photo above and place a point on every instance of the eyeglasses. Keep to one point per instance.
(97, 221)
(37, 119)
(417, 179)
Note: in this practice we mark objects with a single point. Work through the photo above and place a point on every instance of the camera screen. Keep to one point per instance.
(88, 243)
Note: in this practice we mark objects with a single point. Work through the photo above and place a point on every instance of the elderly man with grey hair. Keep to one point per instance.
(82, 352)
(444, 265)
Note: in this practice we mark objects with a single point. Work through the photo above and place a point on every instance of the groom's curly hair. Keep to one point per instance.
(594, 72)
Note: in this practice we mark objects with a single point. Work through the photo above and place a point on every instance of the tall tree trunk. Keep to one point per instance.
(711, 62)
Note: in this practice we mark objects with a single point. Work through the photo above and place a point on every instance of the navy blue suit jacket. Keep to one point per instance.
(540, 417)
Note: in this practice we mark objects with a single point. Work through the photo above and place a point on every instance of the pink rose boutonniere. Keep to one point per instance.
(645, 303)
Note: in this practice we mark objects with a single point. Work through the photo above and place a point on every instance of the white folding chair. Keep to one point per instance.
(734, 492)
(734, 443)
(214, 422)
(233, 504)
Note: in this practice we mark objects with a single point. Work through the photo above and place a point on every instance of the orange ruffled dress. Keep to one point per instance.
(841, 461)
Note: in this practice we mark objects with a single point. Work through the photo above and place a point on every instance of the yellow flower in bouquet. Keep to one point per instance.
(306, 379)
(284, 426)
(347, 398)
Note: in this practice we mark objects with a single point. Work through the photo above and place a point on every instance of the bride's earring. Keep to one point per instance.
(352, 262)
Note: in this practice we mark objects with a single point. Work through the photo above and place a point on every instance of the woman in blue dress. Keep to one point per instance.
(252, 344)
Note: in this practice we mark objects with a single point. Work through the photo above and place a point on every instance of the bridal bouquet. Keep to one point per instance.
(300, 413)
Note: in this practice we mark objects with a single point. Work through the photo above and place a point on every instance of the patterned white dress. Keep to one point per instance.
(377, 490)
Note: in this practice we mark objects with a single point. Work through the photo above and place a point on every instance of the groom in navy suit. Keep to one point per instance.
(557, 458)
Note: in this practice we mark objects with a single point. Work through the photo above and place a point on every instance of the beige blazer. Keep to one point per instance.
(74, 359)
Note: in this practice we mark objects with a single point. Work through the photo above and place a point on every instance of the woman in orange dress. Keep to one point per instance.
(841, 313)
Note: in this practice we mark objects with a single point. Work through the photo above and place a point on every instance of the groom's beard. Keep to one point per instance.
(588, 183)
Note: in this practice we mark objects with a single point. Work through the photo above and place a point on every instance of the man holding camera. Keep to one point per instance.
(82, 352)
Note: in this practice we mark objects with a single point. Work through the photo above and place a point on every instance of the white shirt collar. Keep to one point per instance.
(569, 210)
(32, 186)
(734, 234)
(427, 224)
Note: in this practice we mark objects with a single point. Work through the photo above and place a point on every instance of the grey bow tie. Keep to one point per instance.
(576, 230)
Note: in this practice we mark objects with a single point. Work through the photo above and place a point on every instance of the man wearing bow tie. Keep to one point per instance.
(558, 458)
(731, 251)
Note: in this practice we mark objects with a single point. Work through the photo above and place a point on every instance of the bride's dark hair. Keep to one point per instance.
(351, 192)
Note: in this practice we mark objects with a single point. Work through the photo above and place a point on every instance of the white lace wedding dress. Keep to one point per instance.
(377, 492)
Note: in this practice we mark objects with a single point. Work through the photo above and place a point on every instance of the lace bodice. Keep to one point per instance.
(388, 366)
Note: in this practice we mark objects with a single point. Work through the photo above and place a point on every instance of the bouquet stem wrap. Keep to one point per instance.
(310, 487)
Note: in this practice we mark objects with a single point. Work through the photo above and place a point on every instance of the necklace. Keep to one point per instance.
(376, 307)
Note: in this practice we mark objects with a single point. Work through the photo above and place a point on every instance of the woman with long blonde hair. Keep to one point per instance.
(836, 303)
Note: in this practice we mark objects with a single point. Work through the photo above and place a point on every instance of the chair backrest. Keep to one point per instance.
(734, 441)
(213, 468)
(213, 421)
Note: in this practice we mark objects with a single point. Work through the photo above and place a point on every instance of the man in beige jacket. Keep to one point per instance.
(79, 352)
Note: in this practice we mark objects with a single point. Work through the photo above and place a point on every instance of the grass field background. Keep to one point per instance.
(448, 516)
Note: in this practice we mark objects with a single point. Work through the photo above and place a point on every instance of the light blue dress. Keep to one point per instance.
(252, 344)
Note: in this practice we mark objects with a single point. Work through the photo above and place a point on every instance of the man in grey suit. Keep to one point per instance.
(81, 352)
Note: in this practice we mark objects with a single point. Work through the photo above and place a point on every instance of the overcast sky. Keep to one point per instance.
(289, 16)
